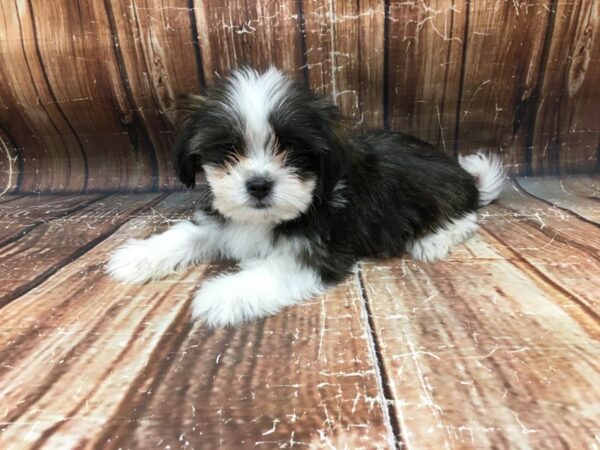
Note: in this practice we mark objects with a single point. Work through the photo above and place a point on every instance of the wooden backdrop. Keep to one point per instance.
(86, 86)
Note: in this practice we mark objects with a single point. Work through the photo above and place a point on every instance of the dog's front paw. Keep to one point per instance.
(228, 301)
(134, 262)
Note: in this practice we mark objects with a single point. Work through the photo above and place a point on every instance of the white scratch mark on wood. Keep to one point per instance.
(272, 430)
(479, 88)
(439, 118)
(10, 161)
(323, 329)
(524, 428)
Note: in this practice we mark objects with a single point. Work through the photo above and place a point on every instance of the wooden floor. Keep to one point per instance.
(496, 347)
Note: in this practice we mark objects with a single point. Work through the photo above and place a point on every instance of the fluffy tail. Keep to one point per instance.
(489, 173)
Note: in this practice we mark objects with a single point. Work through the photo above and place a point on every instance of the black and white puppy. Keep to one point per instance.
(298, 201)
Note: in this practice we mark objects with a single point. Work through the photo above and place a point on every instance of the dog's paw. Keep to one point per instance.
(429, 250)
(227, 301)
(134, 262)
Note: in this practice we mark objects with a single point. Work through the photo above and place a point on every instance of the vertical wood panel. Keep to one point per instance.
(345, 56)
(567, 130)
(87, 84)
(86, 87)
(30, 112)
(154, 40)
(504, 46)
(254, 33)
(425, 59)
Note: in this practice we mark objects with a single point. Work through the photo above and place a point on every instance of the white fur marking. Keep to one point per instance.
(138, 261)
(270, 278)
(263, 287)
(253, 96)
(438, 244)
(489, 173)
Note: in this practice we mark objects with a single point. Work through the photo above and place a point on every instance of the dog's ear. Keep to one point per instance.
(188, 116)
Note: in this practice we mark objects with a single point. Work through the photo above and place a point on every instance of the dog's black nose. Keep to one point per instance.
(259, 187)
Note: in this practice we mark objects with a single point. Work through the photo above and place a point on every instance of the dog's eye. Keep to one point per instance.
(228, 148)
(305, 161)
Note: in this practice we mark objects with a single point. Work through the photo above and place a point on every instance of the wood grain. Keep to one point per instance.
(345, 56)
(87, 89)
(11, 165)
(566, 134)
(304, 377)
(254, 33)
(567, 263)
(503, 52)
(153, 45)
(495, 347)
(54, 158)
(483, 352)
(104, 365)
(9, 197)
(86, 80)
(576, 194)
(26, 262)
(22, 214)
(89, 337)
(425, 59)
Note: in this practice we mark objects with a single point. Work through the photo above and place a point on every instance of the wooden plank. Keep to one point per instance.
(71, 347)
(10, 197)
(155, 45)
(425, 59)
(566, 132)
(28, 261)
(576, 194)
(345, 56)
(546, 216)
(483, 352)
(248, 32)
(22, 214)
(504, 47)
(560, 255)
(303, 377)
(30, 112)
(584, 186)
(94, 363)
(85, 80)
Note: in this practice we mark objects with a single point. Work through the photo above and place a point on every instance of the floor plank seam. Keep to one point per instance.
(544, 278)
(8, 200)
(522, 190)
(388, 407)
(73, 256)
(18, 235)
(553, 233)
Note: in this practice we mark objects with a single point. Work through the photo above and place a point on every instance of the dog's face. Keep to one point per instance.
(269, 148)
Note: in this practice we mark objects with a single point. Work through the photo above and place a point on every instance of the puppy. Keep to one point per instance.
(297, 201)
